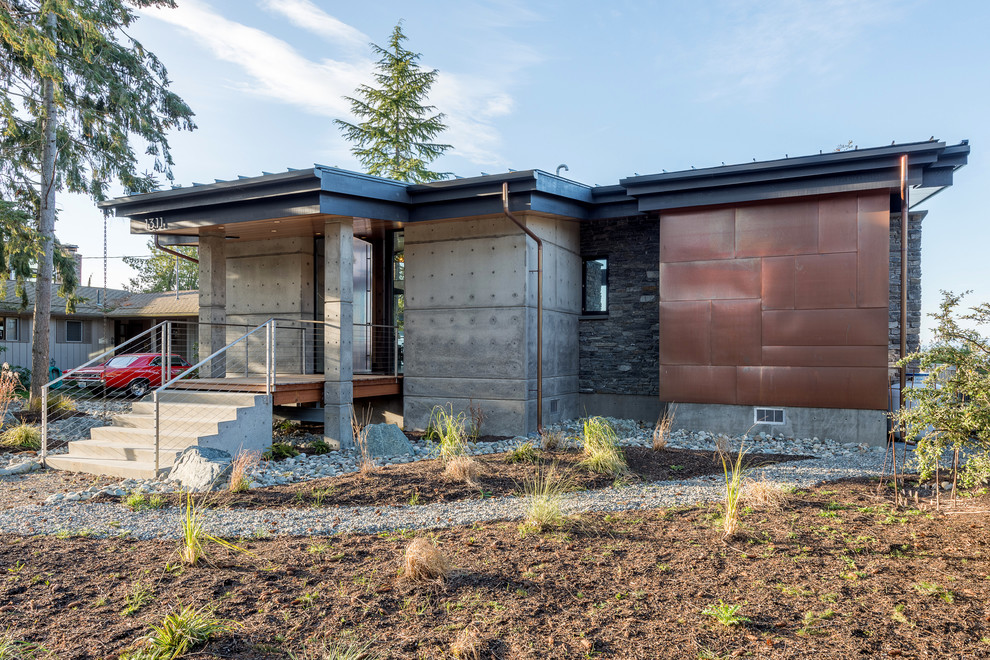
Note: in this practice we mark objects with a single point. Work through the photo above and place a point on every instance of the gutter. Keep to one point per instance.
(539, 304)
(174, 253)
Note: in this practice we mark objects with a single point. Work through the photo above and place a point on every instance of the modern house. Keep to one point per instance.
(765, 292)
(96, 323)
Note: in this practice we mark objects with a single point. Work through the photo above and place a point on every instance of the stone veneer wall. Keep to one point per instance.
(914, 285)
(618, 352)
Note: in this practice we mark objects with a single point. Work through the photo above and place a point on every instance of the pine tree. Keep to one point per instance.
(157, 273)
(76, 89)
(395, 138)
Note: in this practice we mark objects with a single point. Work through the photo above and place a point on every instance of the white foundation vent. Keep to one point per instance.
(774, 416)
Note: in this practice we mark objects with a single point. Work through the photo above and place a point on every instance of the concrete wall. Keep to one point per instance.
(470, 321)
(841, 425)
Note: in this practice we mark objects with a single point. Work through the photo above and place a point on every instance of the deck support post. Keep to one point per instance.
(212, 300)
(338, 340)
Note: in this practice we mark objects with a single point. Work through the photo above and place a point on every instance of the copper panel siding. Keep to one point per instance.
(778, 283)
(825, 356)
(772, 230)
(736, 332)
(874, 254)
(710, 280)
(697, 384)
(698, 236)
(825, 327)
(813, 387)
(685, 332)
(837, 224)
(825, 281)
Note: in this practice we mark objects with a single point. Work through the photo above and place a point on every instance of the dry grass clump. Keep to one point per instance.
(601, 449)
(10, 382)
(661, 431)
(22, 436)
(721, 447)
(477, 420)
(243, 463)
(734, 473)
(463, 468)
(468, 644)
(546, 495)
(360, 429)
(425, 563)
(551, 440)
(764, 494)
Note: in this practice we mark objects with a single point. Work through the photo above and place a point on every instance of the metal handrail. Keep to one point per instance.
(102, 355)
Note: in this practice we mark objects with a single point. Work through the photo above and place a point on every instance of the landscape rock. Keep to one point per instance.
(387, 440)
(201, 469)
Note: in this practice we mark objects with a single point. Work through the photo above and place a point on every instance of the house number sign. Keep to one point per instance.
(156, 224)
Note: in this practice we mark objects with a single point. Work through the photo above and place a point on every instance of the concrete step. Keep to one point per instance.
(237, 399)
(195, 410)
(109, 467)
(192, 423)
(170, 438)
(118, 451)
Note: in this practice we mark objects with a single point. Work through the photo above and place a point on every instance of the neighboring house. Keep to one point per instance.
(767, 291)
(90, 330)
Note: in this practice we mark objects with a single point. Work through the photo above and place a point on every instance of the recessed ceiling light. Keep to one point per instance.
(273, 231)
(277, 221)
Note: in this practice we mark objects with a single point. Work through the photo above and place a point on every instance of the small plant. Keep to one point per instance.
(182, 631)
(932, 589)
(451, 438)
(10, 383)
(477, 419)
(320, 447)
(468, 644)
(764, 493)
(140, 596)
(194, 536)
(661, 430)
(811, 623)
(546, 495)
(12, 649)
(22, 436)
(414, 499)
(734, 473)
(319, 494)
(602, 454)
(340, 651)
(360, 429)
(284, 427)
(524, 453)
(139, 501)
(424, 562)
(551, 440)
(279, 451)
(240, 467)
(60, 403)
(727, 615)
(462, 468)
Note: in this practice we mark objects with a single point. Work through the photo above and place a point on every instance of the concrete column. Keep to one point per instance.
(338, 312)
(212, 300)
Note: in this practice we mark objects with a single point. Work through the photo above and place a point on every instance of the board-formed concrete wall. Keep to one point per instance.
(470, 321)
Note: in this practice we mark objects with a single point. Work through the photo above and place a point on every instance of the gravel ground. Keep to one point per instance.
(103, 520)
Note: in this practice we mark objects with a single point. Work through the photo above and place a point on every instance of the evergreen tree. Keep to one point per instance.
(157, 273)
(395, 138)
(76, 88)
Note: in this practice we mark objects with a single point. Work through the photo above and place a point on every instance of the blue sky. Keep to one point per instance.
(610, 89)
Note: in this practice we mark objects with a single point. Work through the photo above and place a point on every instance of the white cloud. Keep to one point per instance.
(308, 16)
(765, 42)
(472, 102)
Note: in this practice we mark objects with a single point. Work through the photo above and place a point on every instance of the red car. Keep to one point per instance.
(135, 372)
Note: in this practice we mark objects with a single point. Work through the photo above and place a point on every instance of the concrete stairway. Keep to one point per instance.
(220, 420)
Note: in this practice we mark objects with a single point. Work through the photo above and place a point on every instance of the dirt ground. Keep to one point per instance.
(837, 573)
(423, 482)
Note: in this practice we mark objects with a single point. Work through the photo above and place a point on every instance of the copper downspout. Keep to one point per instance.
(904, 272)
(174, 252)
(539, 305)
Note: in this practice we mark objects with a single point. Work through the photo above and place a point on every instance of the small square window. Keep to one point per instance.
(73, 332)
(9, 330)
(769, 416)
(594, 286)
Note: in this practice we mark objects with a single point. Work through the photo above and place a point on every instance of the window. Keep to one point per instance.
(73, 332)
(768, 416)
(594, 286)
(9, 330)
(122, 361)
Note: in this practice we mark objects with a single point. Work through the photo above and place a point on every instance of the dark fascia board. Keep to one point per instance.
(192, 218)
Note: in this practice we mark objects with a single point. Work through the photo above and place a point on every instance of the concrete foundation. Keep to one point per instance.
(470, 321)
(622, 406)
(841, 425)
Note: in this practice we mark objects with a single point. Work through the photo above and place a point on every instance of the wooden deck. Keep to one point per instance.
(296, 388)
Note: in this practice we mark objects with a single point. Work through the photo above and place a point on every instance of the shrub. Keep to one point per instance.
(546, 493)
(242, 464)
(181, 631)
(424, 562)
(320, 447)
(524, 453)
(22, 436)
(451, 439)
(279, 451)
(764, 493)
(462, 468)
(601, 449)
(10, 383)
(61, 403)
(951, 408)
(661, 430)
